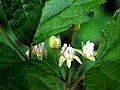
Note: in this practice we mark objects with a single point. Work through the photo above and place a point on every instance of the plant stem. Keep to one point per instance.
(56, 53)
(67, 82)
(79, 69)
(30, 52)
(12, 44)
(76, 77)
(78, 80)
(67, 74)
(66, 86)
(73, 37)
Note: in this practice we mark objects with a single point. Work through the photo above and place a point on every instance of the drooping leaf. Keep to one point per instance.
(42, 18)
(7, 55)
(29, 75)
(23, 17)
(58, 15)
(105, 75)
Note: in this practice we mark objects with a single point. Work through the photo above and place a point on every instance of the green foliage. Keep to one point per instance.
(33, 21)
(96, 80)
(58, 15)
(27, 75)
(7, 55)
(23, 17)
(105, 74)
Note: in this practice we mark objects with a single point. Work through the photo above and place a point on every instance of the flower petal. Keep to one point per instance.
(61, 60)
(27, 53)
(92, 58)
(82, 44)
(95, 53)
(77, 58)
(40, 56)
(69, 63)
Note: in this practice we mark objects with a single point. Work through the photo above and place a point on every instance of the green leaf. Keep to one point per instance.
(29, 75)
(96, 80)
(23, 17)
(33, 21)
(58, 15)
(110, 38)
(105, 74)
(7, 55)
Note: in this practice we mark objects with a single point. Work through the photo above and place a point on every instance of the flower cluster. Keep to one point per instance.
(67, 53)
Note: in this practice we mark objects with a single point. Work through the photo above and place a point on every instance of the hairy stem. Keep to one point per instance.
(12, 44)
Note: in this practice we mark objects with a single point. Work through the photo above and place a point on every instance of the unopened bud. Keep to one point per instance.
(54, 42)
(75, 27)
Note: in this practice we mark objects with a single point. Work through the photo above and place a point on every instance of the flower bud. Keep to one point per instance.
(75, 27)
(54, 42)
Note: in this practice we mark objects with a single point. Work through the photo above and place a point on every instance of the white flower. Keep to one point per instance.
(68, 54)
(87, 50)
(39, 50)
